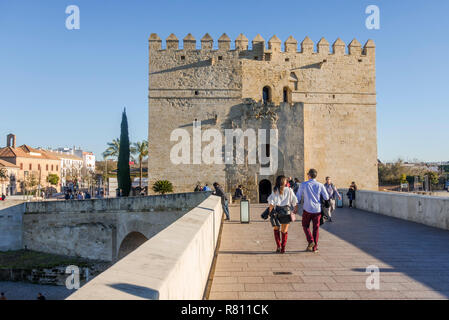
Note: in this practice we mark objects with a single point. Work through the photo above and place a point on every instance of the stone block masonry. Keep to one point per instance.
(322, 102)
(100, 229)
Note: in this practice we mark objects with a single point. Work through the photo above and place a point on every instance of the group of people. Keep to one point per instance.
(77, 195)
(3, 197)
(199, 187)
(319, 201)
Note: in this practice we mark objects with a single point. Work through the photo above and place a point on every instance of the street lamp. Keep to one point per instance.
(244, 210)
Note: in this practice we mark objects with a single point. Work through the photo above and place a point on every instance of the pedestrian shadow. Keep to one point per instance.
(418, 251)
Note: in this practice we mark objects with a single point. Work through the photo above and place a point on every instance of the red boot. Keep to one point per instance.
(277, 238)
(284, 241)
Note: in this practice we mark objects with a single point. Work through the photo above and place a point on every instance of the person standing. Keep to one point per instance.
(238, 192)
(296, 185)
(281, 202)
(351, 193)
(2, 296)
(224, 199)
(40, 296)
(290, 182)
(207, 188)
(312, 191)
(333, 195)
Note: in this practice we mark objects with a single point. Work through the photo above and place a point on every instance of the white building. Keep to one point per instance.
(89, 161)
(71, 165)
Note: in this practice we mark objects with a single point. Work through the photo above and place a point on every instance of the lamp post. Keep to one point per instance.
(244, 210)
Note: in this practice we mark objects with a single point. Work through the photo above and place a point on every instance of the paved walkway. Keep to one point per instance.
(413, 260)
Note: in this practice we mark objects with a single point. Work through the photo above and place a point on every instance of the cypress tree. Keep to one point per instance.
(123, 171)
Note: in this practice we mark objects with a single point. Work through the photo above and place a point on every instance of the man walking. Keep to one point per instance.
(224, 199)
(333, 194)
(311, 190)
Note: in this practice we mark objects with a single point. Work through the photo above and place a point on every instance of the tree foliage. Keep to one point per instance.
(123, 170)
(53, 179)
(3, 174)
(113, 149)
(141, 150)
(163, 186)
(433, 177)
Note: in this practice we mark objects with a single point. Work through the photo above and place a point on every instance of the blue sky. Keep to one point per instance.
(65, 88)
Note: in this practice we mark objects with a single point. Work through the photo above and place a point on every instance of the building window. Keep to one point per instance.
(267, 56)
(57, 167)
(197, 92)
(30, 167)
(39, 167)
(266, 94)
(21, 166)
(51, 167)
(183, 57)
(46, 167)
(220, 58)
(287, 95)
(294, 80)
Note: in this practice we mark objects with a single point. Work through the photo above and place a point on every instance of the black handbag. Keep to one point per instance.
(265, 214)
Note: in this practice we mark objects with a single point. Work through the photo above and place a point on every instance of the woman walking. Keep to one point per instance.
(282, 200)
(351, 193)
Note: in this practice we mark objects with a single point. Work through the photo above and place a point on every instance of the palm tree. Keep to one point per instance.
(141, 150)
(113, 149)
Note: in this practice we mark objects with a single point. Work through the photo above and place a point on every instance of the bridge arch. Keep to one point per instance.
(131, 242)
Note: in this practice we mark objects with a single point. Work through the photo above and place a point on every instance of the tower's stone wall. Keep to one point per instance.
(323, 104)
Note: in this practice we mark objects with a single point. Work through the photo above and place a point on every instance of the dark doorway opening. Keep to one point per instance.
(264, 190)
(266, 95)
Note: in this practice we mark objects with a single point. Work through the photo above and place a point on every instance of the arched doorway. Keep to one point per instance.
(264, 190)
(266, 94)
(130, 243)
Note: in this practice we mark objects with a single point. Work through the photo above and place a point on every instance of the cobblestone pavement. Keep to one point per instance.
(29, 291)
(413, 259)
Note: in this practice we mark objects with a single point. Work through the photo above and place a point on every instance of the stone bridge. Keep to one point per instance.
(100, 229)
(192, 254)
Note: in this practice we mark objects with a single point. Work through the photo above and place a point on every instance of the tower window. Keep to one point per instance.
(183, 57)
(197, 92)
(220, 58)
(287, 95)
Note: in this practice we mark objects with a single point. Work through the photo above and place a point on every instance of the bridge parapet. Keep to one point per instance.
(168, 202)
(174, 264)
(429, 210)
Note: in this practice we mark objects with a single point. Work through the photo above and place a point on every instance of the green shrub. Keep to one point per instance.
(162, 186)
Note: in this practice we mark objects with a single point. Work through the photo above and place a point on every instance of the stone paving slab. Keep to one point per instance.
(413, 259)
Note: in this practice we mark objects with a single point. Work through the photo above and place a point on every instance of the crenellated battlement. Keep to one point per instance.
(258, 44)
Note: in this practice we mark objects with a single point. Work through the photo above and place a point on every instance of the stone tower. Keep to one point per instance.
(322, 103)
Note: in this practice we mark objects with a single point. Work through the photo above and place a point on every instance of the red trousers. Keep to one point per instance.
(315, 217)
